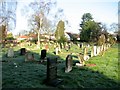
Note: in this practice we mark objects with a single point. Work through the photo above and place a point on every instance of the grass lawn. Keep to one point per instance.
(32, 74)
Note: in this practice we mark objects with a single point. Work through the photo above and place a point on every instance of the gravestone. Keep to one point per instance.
(81, 45)
(86, 57)
(98, 50)
(29, 57)
(81, 60)
(95, 51)
(22, 51)
(69, 63)
(43, 54)
(10, 52)
(52, 72)
(92, 52)
(56, 50)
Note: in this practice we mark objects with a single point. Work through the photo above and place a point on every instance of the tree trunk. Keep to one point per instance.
(38, 39)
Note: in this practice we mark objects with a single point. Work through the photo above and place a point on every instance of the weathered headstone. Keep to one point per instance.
(43, 54)
(69, 63)
(52, 72)
(22, 51)
(29, 57)
(81, 60)
(10, 52)
(92, 52)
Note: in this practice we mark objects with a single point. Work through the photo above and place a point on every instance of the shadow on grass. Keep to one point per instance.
(19, 74)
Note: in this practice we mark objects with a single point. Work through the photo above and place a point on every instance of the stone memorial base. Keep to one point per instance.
(79, 64)
(53, 82)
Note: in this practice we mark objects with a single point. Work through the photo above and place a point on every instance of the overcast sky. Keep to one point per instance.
(105, 11)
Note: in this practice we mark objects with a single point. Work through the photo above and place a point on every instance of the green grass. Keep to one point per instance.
(32, 74)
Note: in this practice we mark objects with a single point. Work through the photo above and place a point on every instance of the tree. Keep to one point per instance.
(90, 28)
(7, 18)
(41, 10)
(59, 33)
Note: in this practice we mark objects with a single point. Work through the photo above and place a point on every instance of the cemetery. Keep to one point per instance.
(67, 69)
(43, 47)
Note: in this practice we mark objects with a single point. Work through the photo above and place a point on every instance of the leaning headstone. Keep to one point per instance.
(22, 51)
(52, 72)
(10, 52)
(29, 57)
(81, 60)
(69, 63)
(43, 54)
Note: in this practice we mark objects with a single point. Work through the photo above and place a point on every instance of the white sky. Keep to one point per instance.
(105, 11)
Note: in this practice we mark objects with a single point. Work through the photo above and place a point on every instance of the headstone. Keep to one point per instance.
(52, 72)
(22, 51)
(95, 51)
(81, 45)
(56, 50)
(29, 57)
(92, 52)
(69, 63)
(81, 60)
(43, 54)
(98, 50)
(86, 57)
(10, 52)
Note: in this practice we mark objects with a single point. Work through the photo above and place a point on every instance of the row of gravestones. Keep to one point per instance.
(95, 50)
(59, 47)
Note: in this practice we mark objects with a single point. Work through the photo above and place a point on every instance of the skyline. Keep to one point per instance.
(102, 11)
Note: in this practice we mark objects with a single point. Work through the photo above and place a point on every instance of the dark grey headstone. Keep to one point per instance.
(43, 54)
(69, 63)
(22, 51)
(52, 72)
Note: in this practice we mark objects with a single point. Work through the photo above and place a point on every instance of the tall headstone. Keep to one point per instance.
(98, 50)
(22, 51)
(52, 72)
(43, 54)
(95, 51)
(56, 50)
(10, 52)
(69, 63)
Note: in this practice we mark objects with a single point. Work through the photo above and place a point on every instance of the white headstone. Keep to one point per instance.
(56, 50)
(95, 51)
